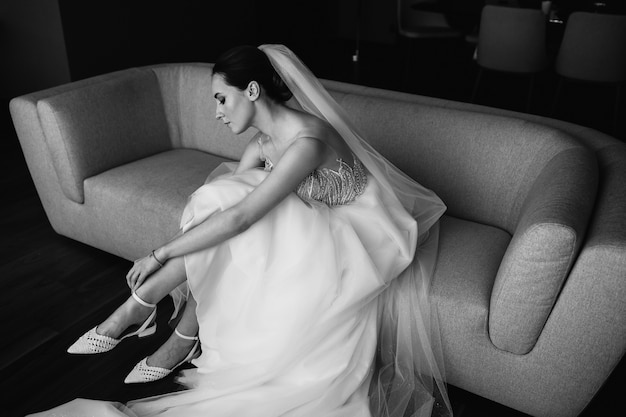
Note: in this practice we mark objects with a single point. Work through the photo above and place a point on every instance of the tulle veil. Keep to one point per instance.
(409, 379)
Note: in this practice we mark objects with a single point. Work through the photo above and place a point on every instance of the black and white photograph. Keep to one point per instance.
(332, 208)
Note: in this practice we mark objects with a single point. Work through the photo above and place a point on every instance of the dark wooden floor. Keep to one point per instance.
(53, 288)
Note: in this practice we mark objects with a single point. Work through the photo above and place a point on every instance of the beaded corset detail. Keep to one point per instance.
(329, 186)
(334, 187)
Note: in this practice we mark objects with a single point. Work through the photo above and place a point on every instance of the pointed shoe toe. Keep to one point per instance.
(142, 372)
(91, 342)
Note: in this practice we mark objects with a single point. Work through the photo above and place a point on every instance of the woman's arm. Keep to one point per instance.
(301, 158)
(144, 267)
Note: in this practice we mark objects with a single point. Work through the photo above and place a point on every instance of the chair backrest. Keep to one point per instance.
(593, 48)
(512, 39)
(509, 3)
(410, 19)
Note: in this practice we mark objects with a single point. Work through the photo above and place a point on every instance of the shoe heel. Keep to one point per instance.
(148, 332)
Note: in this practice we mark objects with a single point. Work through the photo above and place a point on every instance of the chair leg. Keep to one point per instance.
(476, 84)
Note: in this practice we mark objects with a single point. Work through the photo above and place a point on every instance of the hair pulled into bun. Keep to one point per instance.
(243, 64)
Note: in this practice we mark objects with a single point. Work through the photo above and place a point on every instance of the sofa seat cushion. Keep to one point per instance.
(137, 206)
(470, 254)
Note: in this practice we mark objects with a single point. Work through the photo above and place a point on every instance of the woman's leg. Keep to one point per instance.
(176, 348)
(153, 290)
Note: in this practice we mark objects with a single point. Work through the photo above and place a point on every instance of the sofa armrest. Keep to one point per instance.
(545, 244)
(92, 127)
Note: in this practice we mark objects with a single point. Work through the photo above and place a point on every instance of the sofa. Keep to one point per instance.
(530, 281)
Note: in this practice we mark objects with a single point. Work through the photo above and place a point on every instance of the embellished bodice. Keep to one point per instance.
(333, 187)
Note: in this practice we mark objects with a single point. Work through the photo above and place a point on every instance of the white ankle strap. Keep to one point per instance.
(182, 336)
(142, 302)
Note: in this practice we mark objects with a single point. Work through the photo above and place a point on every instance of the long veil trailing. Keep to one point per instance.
(409, 378)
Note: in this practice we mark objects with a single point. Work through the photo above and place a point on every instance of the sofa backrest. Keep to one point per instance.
(109, 120)
(483, 166)
(190, 111)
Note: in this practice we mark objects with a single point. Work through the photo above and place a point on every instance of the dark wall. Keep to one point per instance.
(33, 58)
(49, 42)
(32, 47)
(103, 36)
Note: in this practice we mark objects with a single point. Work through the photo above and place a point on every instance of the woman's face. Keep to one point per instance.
(234, 107)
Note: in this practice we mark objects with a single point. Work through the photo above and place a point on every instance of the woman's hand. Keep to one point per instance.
(141, 270)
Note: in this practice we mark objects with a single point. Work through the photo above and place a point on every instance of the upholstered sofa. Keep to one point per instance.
(530, 283)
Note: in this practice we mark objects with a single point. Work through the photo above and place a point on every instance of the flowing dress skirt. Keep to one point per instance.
(287, 309)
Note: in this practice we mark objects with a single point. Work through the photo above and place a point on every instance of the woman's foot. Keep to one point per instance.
(171, 353)
(177, 350)
(135, 317)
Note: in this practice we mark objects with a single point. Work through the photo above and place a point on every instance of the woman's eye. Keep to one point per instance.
(221, 100)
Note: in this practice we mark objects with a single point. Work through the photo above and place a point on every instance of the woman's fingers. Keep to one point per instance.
(141, 269)
(139, 280)
(131, 276)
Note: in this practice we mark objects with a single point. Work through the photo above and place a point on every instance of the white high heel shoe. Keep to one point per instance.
(92, 342)
(142, 372)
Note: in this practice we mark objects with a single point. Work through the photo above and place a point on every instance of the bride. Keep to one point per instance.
(305, 269)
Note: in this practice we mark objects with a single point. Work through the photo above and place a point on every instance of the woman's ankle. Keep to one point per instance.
(171, 353)
(128, 314)
(142, 298)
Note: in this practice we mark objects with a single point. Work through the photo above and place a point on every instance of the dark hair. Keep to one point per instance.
(243, 64)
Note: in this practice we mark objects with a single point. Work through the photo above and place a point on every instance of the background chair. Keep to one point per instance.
(419, 19)
(593, 50)
(511, 40)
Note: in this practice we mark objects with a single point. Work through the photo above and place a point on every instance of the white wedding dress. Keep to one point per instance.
(287, 309)
(290, 310)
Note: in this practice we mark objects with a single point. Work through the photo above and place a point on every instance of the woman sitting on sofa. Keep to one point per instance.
(290, 261)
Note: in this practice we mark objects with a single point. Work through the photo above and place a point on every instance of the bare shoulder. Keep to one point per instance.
(312, 146)
(319, 134)
(332, 144)
(317, 128)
